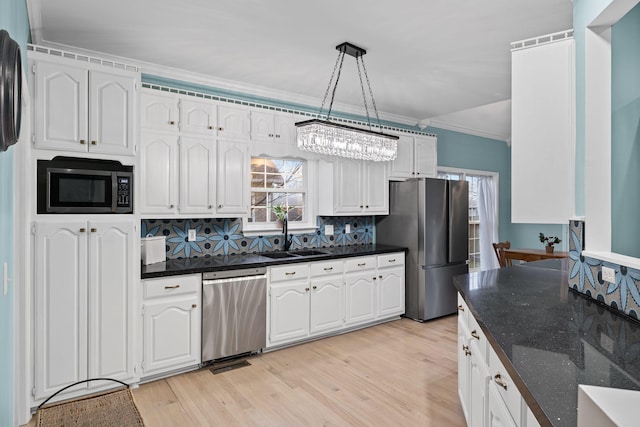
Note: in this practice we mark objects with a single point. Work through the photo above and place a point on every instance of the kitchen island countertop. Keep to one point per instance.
(204, 264)
(550, 338)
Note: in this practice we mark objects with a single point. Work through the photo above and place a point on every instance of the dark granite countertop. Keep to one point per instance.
(204, 264)
(551, 338)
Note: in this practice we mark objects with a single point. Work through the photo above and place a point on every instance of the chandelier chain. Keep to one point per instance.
(373, 100)
(326, 93)
(364, 96)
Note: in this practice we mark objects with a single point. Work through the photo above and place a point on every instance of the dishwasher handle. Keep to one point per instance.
(235, 280)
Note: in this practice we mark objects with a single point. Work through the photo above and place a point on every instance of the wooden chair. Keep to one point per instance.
(499, 250)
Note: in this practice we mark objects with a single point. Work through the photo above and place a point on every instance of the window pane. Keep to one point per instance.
(275, 181)
(258, 215)
(295, 183)
(259, 199)
(295, 199)
(295, 214)
(257, 164)
(257, 180)
(276, 199)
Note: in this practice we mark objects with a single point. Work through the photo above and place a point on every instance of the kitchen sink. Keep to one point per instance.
(293, 254)
(278, 255)
(309, 252)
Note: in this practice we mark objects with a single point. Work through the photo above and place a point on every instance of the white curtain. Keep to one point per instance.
(488, 215)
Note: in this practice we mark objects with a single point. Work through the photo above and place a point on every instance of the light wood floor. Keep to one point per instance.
(399, 373)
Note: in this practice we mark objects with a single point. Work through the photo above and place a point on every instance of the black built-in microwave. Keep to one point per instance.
(70, 185)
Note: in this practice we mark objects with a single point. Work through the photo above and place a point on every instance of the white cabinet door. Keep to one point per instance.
(376, 187)
(262, 129)
(233, 122)
(60, 102)
(498, 413)
(159, 111)
(197, 175)
(285, 129)
(171, 334)
(426, 156)
(232, 177)
(327, 308)
(158, 173)
(111, 311)
(463, 367)
(348, 186)
(478, 386)
(60, 317)
(391, 283)
(403, 165)
(112, 108)
(543, 133)
(289, 312)
(198, 117)
(360, 297)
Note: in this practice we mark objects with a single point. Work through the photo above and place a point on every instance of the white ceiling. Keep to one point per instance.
(444, 60)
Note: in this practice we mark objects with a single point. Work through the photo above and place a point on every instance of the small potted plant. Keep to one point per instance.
(549, 242)
(281, 214)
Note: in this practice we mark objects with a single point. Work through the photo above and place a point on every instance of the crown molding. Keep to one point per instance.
(470, 131)
(34, 10)
(230, 85)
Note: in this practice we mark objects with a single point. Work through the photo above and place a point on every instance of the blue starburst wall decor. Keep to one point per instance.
(223, 236)
(585, 276)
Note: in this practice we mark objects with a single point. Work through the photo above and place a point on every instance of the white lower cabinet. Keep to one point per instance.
(84, 303)
(171, 317)
(487, 394)
(317, 298)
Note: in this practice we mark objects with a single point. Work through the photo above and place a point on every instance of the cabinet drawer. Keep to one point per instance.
(327, 268)
(359, 264)
(463, 310)
(391, 260)
(177, 285)
(476, 334)
(501, 380)
(289, 272)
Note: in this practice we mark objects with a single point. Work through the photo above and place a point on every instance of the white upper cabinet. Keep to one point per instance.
(233, 177)
(543, 133)
(84, 110)
(417, 158)
(158, 173)
(269, 127)
(353, 187)
(233, 122)
(198, 117)
(197, 175)
(159, 111)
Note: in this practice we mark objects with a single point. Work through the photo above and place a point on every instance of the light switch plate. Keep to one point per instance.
(347, 228)
(328, 230)
(192, 235)
(608, 274)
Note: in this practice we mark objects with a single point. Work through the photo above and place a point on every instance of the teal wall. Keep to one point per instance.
(625, 133)
(459, 150)
(13, 18)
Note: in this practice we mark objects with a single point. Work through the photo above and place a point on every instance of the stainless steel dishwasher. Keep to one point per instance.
(234, 313)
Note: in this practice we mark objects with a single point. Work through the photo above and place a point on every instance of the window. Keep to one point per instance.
(277, 182)
(472, 178)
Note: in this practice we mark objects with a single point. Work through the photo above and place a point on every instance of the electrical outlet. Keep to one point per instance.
(328, 230)
(608, 274)
(192, 235)
(347, 228)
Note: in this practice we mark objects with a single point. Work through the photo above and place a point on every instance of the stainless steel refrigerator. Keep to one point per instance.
(431, 217)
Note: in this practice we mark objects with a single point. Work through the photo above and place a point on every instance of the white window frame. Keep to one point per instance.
(308, 224)
(475, 172)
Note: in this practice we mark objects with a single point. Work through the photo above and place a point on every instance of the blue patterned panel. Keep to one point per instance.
(223, 236)
(585, 276)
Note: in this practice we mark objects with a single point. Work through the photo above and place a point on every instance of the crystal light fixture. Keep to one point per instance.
(336, 139)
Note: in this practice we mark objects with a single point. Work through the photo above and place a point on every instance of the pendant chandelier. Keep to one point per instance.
(336, 139)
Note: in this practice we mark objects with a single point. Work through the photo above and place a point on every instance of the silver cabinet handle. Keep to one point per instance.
(172, 287)
(362, 264)
(290, 273)
(391, 260)
(498, 379)
(475, 335)
(460, 307)
(328, 268)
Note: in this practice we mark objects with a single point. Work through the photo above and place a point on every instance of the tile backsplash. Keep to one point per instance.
(585, 276)
(223, 236)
